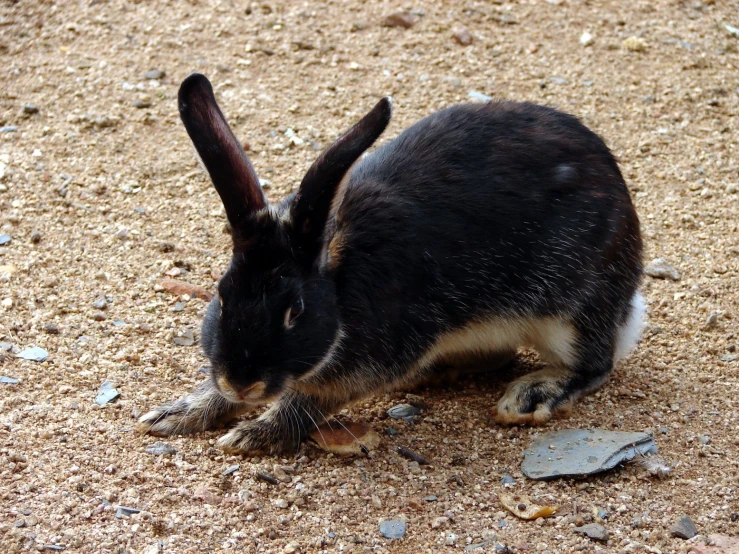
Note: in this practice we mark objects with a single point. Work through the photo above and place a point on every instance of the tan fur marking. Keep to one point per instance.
(553, 336)
(334, 250)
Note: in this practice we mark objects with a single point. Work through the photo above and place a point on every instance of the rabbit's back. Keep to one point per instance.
(502, 207)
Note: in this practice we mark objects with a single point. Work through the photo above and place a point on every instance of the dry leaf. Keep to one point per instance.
(347, 438)
(522, 507)
(180, 287)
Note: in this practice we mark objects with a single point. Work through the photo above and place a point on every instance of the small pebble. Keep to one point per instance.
(594, 531)
(432, 498)
(586, 39)
(100, 303)
(8, 129)
(141, 104)
(231, 469)
(35, 354)
(8, 380)
(403, 411)
(479, 96)
(36, 237)
(392, 529)
(30, 109)
(154, 74)
(162, 449)
(684, 528)
(5, 239)
(659, 268)
(635, 44)
(462, 36)
(126, 511)
(106, 394)
(186, 338)
(267, 478)
(406, 20)
(411, 455)
(507, 480)
(53, 547)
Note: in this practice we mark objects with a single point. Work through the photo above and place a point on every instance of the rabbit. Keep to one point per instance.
(478, 230)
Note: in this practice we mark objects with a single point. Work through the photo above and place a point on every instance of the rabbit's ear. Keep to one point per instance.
(230, 170)
(310, 208)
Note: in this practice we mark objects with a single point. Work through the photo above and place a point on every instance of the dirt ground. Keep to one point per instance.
(102, 197)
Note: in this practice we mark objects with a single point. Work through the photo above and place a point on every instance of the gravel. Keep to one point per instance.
(61, 455)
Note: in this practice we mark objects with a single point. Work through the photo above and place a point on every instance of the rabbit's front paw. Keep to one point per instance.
(263, 436)
(535, 398)
(201, 410)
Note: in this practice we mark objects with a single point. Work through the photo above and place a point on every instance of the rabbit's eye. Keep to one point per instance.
(293, 313)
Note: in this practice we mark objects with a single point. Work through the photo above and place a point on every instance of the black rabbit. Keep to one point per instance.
(479, 229)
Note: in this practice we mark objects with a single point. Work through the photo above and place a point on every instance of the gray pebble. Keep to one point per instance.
(107, 393)
(100, 303)
(230, 469)
(432, 498)
(594, 531)
(161, 449)
(30, 109)
(479, 96)
(6, 346)
(403, 411)
(392, 529)
(154, 74)
(53, 547)
(8, 380)
(705, 439)
(684, 528)
(507, 480)
(141, 104)
(602, 514)
(125, 511)
(178, 307)
(185, 339)
(5, 239)
(9, 129)
(660, 269)
(35, 354)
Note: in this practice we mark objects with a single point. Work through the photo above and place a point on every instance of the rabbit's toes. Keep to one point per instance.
(258, 436)
(201, 410)
(535, 398)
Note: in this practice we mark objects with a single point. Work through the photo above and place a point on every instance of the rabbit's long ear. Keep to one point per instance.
(310, 208)
(230, 170)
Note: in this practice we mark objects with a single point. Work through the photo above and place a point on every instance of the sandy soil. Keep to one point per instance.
(102, 196)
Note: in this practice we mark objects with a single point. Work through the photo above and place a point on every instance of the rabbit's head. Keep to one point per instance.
(275, 315)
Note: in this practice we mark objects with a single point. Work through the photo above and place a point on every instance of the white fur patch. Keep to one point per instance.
(630, 332)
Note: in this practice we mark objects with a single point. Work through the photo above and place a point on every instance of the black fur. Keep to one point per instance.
(497, 211)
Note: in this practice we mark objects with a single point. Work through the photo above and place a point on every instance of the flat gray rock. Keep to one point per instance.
(107, 393)
(161, 449)
(594, 531)
(35, 354)
(684, 528)
(392, 529)
(8, 380)
(576, 452)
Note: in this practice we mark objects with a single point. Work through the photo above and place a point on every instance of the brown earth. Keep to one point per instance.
(105, 199)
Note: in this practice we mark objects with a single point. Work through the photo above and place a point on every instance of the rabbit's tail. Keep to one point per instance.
(631, 330)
